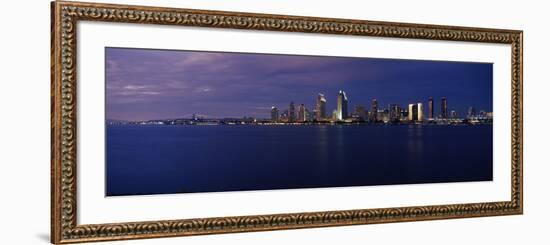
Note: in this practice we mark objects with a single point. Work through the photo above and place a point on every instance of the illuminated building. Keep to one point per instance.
(310, 115)
(284, 116)
(274, 114)
(404, 114)
(301, 113)
(395, 113)
(321, 107)
(444, 107)
(342, 106)
(374, 111)
(415, 112)
(430, 108)
(385, 116)
(291, 113)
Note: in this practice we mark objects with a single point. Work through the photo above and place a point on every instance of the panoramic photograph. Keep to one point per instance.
(181, 121)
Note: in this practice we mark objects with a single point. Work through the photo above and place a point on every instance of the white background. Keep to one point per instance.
(24, 125)
(94, 208)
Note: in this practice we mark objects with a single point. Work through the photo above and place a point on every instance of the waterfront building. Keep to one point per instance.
(444, 107)
(420, 112)
(335, 115)
(404, 114)
(310, 115)
(416, 112)
(301, 113)
(395, 113)
(284, 116)
(430, 108)
(385, 115)
(342, 106)
(374, 111)
(291, 113)
(274, 114)
(321, 107)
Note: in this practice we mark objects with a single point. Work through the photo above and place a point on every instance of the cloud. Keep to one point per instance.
(135, 87)
(202, 89)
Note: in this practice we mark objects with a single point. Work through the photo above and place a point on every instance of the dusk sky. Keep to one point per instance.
(144, 84)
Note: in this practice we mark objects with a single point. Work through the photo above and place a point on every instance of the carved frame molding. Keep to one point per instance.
(65, 16)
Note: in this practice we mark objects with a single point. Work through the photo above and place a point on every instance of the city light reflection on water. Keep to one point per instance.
(155, 159)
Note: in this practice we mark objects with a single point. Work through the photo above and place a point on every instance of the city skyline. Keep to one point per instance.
(155, 84)
(394, 111)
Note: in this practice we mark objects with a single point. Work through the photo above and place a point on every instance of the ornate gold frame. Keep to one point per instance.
(65, 15)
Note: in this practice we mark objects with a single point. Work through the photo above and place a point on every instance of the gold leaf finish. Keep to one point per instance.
(65, 16)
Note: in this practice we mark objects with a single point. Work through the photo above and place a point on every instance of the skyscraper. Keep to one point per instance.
(444, 107)
(291, 113)
(395, 112)
(274, 114)
(301, 113)
(416, 112)
(310, 115)
(284, 116)
(342, 106)
(374, 111)
(431, 108)
(321, 107)
(412, 111)
(420, 112)
(335, 115)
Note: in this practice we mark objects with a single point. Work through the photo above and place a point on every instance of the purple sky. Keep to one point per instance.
(159, 84)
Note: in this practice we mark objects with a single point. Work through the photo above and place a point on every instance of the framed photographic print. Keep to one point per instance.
(175, 122)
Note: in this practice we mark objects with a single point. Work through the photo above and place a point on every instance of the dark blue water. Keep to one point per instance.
(184, 159)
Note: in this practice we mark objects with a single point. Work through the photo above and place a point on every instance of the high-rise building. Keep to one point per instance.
(321, 107)
(444, 107)
(284, 116)
(404, 113)
(385, 115)
(274, 114)
(301, 113)
(291, 113)
(412, 111)
(360, 112)
(395, 112)
(335, 115)
(420, 112)
(310, 115)
(416, 112)
(342, 106)
(471, 111)
(431, 108)
(374, 111)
